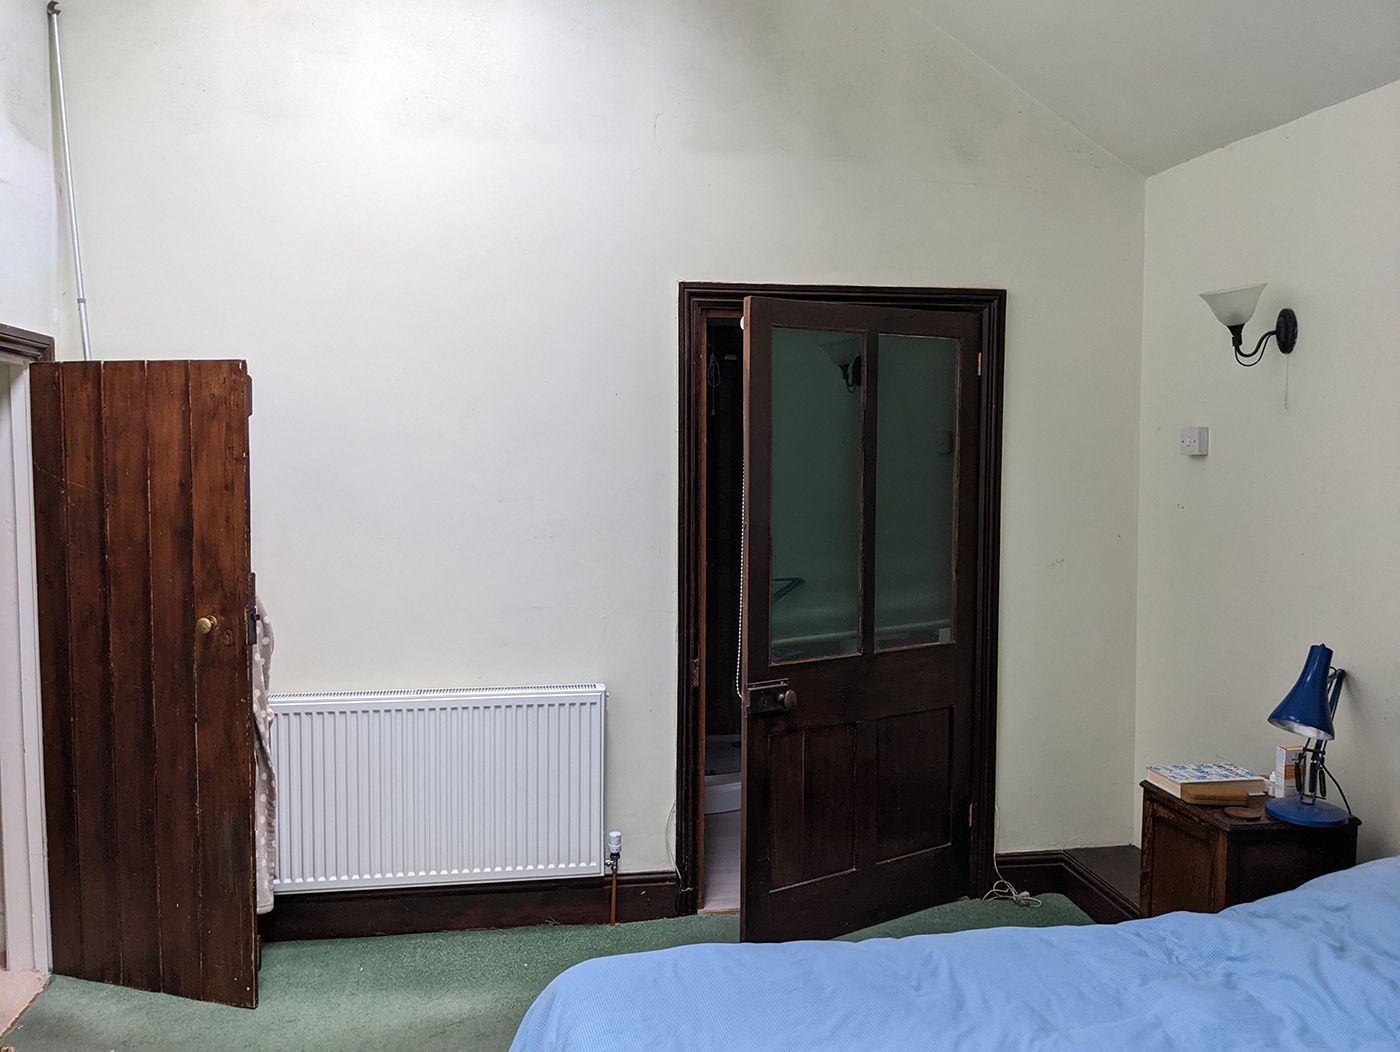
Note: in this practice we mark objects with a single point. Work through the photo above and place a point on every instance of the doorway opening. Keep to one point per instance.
(714, 669)
(724, 453)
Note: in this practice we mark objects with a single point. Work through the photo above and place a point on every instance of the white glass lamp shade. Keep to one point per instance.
(843, 349)
(1233, 306)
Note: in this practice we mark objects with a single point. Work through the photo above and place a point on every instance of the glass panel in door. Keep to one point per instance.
(915, 513)
(816, 466)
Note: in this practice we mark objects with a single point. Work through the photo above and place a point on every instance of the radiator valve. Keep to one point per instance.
(614, 851)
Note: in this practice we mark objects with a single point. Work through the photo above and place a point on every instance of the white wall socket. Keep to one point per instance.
(1195, 441)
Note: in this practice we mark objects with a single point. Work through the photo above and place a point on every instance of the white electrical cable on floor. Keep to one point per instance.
(1003, 889)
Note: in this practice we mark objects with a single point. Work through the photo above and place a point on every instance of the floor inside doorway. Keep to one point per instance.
(723, 790)
(722, 862)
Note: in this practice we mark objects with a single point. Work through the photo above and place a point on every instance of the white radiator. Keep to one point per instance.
(400, 788)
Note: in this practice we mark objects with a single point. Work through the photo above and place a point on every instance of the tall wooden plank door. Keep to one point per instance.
(141, 505)
(859, 606)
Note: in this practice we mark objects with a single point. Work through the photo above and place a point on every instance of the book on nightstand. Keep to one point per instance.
(1206, 783)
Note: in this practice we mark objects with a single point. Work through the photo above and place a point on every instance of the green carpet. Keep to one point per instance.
(459, 990)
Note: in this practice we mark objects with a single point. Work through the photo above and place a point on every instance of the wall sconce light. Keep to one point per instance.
(1234, 307)
(845, 353)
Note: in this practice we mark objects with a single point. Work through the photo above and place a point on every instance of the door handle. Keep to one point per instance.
(769, 699)
(205, 625)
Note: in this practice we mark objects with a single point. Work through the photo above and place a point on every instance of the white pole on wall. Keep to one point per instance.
(68, 183)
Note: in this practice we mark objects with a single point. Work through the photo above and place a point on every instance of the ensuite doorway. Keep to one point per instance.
(724, 441)
(839, 511)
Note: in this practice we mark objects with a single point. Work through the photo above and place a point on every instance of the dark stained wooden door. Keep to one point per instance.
(860, 551)
(141, 506)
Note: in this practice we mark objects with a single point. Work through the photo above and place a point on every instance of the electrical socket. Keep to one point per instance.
(1195, 441)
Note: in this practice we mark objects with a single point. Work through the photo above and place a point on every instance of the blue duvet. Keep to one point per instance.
(1315, 968)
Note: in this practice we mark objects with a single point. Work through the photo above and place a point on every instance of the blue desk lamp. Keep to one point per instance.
(1308, 710)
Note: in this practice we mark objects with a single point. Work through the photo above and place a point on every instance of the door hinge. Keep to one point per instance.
(252, 636)
(979, 363)
(969, 815)
(695, 672)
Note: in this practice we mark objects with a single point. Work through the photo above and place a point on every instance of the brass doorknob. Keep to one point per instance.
(789, 699)
(205, 625)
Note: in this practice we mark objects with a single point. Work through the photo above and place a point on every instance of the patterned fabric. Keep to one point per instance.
(265, 806)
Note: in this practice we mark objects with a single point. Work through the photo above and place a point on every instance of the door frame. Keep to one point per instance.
(24, 886)
(699, 300)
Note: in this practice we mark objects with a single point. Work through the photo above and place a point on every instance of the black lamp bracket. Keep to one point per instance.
(1284, 332)
(1314, 758)
(852, 374)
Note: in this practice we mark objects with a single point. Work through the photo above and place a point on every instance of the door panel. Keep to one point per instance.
(141, 492)
(861, 443)
(813, 785)
(128, 645)
(913, 761)
(181, 924)
(56, 698)
(223, 689)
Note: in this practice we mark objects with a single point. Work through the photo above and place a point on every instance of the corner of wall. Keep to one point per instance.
(1237, 574)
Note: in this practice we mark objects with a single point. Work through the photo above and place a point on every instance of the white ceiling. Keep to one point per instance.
(1157, 82)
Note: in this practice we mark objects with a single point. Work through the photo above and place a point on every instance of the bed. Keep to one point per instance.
(1318, 967)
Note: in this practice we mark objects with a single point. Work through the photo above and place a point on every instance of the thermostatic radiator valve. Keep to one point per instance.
(614, 850)
(614, 854)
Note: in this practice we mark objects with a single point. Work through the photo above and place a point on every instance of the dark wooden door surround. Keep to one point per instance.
(141, 516)
(700, 302)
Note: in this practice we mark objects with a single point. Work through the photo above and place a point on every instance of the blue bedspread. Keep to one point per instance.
(1315, 968)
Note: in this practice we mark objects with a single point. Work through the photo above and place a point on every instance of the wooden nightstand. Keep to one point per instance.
(1200, 859)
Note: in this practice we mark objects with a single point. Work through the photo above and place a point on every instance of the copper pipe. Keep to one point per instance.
(612, 912)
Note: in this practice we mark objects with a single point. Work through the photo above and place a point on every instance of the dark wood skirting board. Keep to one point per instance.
(404, 911)
(640, 896)
(1062, 873)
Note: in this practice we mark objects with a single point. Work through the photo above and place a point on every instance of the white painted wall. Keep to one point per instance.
(28, 223)
(28, 299)
(1286, 534)
(447, 238)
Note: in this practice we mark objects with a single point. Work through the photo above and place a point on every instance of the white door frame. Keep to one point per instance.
(23, 865)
